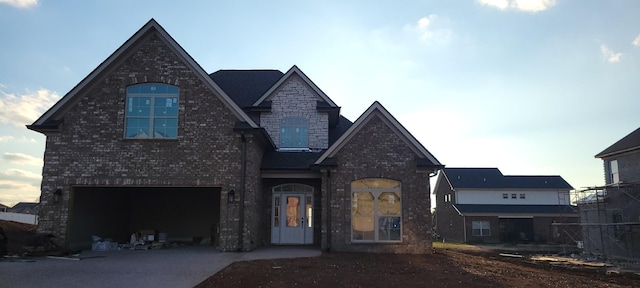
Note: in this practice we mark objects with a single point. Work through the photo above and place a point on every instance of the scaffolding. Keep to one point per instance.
(609, 219)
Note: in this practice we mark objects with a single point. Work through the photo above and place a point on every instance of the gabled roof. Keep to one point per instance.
(377, 110)
(22, 206)
(523, 210)
(245, 87)
(627, 143)
(492, 178)
(56, 113)
(295, 71)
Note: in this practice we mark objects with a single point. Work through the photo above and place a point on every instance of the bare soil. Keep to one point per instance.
(17, 233)
(445, 268)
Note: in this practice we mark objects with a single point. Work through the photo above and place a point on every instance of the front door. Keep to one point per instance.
(292, 218)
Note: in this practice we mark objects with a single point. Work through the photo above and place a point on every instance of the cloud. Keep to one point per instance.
(12, 192)
(7, 138)
(23, 109)
(13, 139)
(430, 30)
(18, 174)
(636, 41)
(609, 55)
(24, 4)
(520, 5)
(500, 4)
(22, 159)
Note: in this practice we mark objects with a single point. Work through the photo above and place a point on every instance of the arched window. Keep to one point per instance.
(294, 133)
(376, 210)
(151, 111)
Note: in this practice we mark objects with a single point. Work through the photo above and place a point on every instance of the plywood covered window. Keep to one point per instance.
(376, 210)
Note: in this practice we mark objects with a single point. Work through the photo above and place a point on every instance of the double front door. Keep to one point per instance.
(292, 218)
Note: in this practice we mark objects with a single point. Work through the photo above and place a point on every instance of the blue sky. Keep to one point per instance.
(533, 87)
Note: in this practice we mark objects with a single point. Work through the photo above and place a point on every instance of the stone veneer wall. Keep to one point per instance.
(91, 149)
(296, 99)
(376, 151)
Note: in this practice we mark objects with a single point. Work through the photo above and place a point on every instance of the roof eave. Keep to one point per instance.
(295, 70)
(151, 25)
(414, 144)
(609, 154)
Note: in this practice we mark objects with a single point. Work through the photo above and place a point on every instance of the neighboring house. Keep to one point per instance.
(3, 208)
(610, 215)
(243, 158)
(480, 205)
(25, 208)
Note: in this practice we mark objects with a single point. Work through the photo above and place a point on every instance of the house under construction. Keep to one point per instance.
(610, 220)
(610, 214)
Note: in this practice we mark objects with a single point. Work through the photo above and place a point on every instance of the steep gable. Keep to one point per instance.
(377, 111)
(51, 120)
(293, 72)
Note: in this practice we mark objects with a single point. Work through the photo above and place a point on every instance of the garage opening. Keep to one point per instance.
(516, 230)
(182, 214)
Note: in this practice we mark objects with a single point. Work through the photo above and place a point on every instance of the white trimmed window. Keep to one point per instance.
(376, 210)
(481, 228)
(614, 175)
(151, 111)
(294, 133)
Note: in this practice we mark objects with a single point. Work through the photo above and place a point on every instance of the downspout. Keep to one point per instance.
(328, 210)
(464, 224)
(243, 174)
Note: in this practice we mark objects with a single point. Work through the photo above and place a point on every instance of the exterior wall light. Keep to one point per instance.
(231, 196)
(57, 195)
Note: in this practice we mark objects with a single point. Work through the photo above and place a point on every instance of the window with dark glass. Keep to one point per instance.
(151, 111)
(481, 228)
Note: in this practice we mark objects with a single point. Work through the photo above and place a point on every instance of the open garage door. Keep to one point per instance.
(117, 212)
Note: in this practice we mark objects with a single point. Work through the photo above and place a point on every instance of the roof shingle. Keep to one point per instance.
(245, 86)
(629, 142)
(492, 178)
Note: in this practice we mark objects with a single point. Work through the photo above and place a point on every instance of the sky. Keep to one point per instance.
(532, 87)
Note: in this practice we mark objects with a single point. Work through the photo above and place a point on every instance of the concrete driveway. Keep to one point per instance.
(175, 267)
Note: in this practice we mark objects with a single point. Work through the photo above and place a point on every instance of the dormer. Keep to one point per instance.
(296, 113)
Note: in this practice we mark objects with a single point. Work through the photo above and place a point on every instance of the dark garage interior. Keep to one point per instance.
(516, 230)
(183, 213)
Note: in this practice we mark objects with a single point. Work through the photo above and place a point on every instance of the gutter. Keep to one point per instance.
(464, 221)
(328, 210)
(242, 190)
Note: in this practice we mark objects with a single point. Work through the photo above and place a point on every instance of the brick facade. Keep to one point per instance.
(217, 150)
(91, 149)
(376, 151)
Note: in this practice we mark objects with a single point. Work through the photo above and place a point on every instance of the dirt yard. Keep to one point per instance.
(16, 233)
(445, 268)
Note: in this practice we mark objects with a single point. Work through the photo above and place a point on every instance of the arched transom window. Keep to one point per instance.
(376, 210)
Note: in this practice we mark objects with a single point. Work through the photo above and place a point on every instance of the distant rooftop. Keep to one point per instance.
(492, 178)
